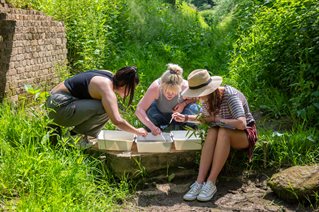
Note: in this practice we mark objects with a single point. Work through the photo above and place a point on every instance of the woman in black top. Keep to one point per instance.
(87, 100)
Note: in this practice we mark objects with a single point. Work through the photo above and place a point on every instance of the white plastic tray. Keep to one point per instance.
(115, 140)
(151, 143)
(185, 140)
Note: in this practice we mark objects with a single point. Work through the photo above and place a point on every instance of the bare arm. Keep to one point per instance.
(237, 110)
(239, 123)
(101, 88)
(180, 106)
(185, 118)
(151, 95)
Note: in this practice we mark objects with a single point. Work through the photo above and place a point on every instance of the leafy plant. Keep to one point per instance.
(275, 149)
(34, 176)
(279, 51)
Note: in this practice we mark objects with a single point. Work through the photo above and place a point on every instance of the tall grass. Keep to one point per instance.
(37, 176)
(181, 36)
(280, 149)
(148, 34)
(277, 53)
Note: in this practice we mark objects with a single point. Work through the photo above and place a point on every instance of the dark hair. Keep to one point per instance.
(214, 101)
(128, 77)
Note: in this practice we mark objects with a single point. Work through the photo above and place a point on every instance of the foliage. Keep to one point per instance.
(278, 53)
(267, 49)
(111, 34)
(90, 27)
(287, 148)
(221, 9)
(202, 4)
(181, 33)
(35, 176)
(178, 33)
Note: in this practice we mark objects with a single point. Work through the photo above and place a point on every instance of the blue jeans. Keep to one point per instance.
(161, 120)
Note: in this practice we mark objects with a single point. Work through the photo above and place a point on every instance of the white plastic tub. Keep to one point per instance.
(115, 140)
(151, 143)
(183, 140)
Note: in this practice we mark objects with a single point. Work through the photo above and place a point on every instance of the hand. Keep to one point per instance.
(178, 117)
(217, 118)
(142, 132)
(179, 108)
(156, 131)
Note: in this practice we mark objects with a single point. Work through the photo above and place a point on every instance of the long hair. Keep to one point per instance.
(214, 101)
(128, 77)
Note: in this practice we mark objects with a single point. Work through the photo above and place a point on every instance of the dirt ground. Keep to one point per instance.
(244, 192)
(237, 190)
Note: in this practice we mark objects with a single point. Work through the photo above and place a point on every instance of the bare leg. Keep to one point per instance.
(226, 138)
(207, 154)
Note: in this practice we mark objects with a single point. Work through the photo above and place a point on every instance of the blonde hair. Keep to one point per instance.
(172, 78)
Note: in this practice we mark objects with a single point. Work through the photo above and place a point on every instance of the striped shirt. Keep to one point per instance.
(233, 106)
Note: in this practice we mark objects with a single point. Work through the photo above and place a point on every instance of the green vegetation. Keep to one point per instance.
(36, 176)
(290, 148)
(278, 54)
(267, 49)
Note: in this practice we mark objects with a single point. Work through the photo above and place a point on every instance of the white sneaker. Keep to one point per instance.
(193, 192)
(207, 191)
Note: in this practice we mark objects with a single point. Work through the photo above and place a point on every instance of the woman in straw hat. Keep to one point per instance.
(162, 98)
(236, 128)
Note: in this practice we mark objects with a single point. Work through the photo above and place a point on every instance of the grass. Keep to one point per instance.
(286, 148)
(36, 176)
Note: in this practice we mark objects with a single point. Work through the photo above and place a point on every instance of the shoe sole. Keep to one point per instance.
(189, 199)
(207, 199)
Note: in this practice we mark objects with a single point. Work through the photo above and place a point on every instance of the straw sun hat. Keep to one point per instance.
(200, 83)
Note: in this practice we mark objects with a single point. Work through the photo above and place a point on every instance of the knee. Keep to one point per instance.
(191, 109)
(223, 134)
(153, 113)
(212, 131)
(98, 109)
(103, 117)
(211, 135)
(152, 109)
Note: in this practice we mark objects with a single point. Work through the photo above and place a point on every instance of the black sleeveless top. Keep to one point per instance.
(78, 85)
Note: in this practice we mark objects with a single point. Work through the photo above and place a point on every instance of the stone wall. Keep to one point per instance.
(32, 45)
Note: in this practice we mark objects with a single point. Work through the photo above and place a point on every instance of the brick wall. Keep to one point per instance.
(31, 46)
(3, 4)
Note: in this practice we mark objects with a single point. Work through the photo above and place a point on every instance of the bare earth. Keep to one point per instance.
(236, 193)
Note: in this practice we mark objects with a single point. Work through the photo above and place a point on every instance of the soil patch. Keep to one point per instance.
(244, 192)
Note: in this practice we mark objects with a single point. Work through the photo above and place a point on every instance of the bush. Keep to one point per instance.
(278, 53)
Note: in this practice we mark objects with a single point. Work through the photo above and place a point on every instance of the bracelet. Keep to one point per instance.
(186, 118)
